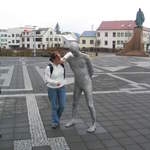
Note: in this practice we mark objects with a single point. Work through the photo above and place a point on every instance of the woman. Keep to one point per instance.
(55, 80)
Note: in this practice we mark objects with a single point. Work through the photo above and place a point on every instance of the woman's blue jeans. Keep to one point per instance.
(57, 97)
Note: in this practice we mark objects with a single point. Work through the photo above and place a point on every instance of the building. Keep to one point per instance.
(14, 37)
(113, 34)
(69, 37)
(87, 39)
(41, 38)
(3, 38)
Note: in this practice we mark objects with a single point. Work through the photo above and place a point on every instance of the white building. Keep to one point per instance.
(113, 34)
(68, 37)
(30, 37)
(3, 38)
(14, 37)
(44, 38)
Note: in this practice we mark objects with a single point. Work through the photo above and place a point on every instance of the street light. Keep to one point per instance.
(34, 39)
(34, 51)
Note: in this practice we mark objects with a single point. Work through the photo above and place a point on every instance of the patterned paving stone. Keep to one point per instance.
(121, 97)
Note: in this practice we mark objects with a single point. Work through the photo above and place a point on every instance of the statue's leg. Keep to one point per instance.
(89, 101)
(76, 97)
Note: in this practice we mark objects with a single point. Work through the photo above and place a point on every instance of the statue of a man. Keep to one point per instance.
(83, 70)
(139, 18)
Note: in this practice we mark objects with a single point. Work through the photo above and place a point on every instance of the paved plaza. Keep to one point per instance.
(121, 88)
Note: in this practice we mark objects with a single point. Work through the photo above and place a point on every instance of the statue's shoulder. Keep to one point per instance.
(85, 55)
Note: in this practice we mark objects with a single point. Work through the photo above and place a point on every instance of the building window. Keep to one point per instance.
(17, 41)
(51, 39)
(28, 45)
(39, 46)
(28, 39)
(13, 35)
(55, 39)
(114, 34)
(83, 41)
(59, 39)
(98, 34)
(22, 39)
(98, 42)
(46, 39)
(39, 39)
(51, 33)
(106, 42)
(13, 41)
(118, 42)
(91, 41)
(118, 34)
(122, 34)
(37, 32)
(106, 34)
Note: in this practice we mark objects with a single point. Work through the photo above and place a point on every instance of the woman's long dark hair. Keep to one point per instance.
(52, 56)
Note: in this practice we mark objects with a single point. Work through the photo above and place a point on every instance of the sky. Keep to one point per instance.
(72, 15)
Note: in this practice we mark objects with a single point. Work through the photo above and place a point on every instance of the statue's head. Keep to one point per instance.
(74, 48)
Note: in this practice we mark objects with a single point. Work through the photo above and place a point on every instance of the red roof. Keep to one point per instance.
(117, 25)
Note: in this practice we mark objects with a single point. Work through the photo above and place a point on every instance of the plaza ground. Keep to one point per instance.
(121, 89)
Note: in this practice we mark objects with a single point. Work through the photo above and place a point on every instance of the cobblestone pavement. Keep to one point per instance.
(121, 88)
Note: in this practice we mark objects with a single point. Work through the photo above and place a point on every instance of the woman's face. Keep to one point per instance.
(57, 59)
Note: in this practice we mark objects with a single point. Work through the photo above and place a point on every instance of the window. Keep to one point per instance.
(83, 41)
(22, 39)
(122, 34)
(13, 35)
(106, 34)
(91, 41)
(118, 34)
(13, 41)
(59, 39)
(98, 34)
(39, 39)
(28, 45)
(46, 39)
(55, 39)
(51, 33)
(17, 41)
(37, 32)
(98, 42)
(106, 42)
(118, 42)
(51, 39)
(39, 46)
(114, 34)
(28, 39)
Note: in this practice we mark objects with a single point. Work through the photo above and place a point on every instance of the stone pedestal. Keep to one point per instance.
(135, 47)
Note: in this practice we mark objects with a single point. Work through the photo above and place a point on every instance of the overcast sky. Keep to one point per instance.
(72, 15)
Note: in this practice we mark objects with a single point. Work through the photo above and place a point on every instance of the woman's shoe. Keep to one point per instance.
(54, 125)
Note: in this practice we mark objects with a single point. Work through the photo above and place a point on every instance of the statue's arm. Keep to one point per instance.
(90, 66)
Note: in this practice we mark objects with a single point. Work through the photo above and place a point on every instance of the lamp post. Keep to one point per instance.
(34, 40)
(0, 43)
(0, 87)
(34, 51)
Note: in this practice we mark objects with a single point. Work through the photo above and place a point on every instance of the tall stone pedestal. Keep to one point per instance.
(135, 47)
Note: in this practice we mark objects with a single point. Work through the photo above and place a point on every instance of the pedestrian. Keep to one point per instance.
(55, 81)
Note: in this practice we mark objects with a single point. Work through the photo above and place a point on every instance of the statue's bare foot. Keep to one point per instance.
(91, 128)
(70, 123)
